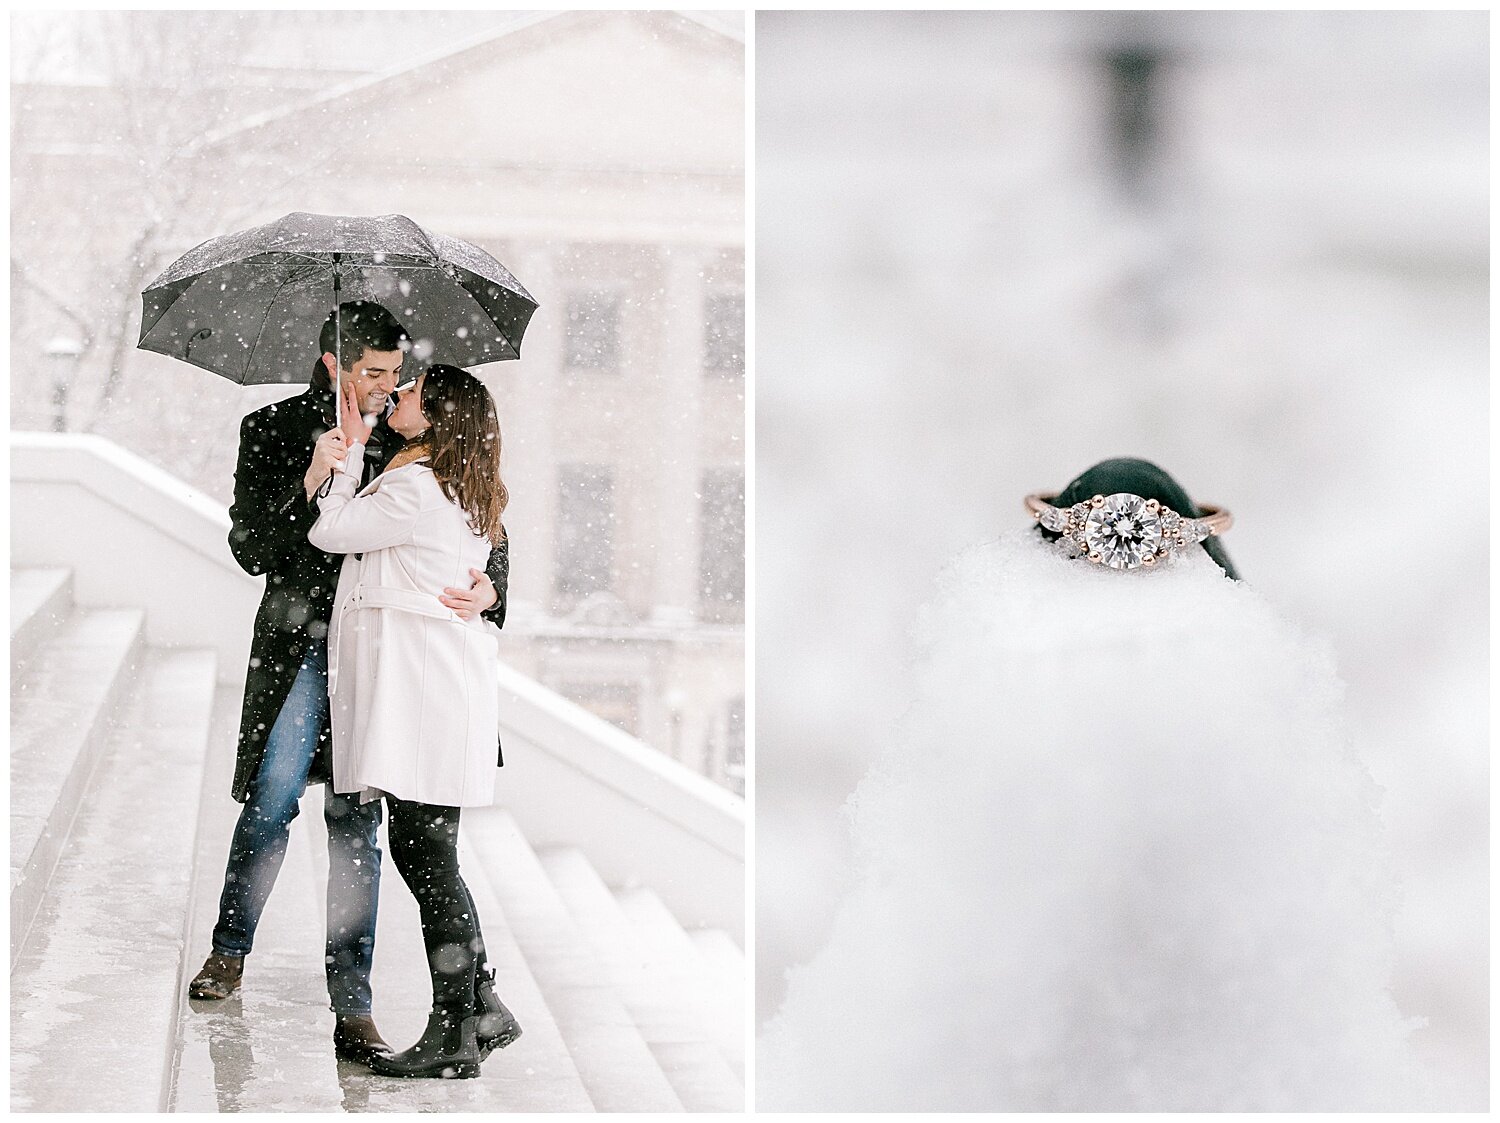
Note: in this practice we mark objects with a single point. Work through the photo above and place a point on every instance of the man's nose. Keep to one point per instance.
(387, 382)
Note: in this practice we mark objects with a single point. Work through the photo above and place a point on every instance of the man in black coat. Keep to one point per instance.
(284, 738)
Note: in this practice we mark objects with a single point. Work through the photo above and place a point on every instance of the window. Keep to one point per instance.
(616, 702)
(721, 557)
(734, 747)
(585, 529)
(724, 335)
(593, 329)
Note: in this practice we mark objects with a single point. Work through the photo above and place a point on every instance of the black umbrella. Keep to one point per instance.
(249, 306)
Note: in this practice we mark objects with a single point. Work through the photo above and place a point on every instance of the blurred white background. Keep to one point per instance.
(996, 248)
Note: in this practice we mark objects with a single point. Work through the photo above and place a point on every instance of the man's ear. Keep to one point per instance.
(331, 364)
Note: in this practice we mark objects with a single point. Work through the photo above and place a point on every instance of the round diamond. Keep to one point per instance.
(1122, 531)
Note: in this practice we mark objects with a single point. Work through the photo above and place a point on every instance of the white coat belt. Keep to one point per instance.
(386, 596)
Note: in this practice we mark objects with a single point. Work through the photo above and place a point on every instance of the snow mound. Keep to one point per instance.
(1120, 857)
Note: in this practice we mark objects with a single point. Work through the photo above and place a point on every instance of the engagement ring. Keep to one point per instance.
(1124, 531)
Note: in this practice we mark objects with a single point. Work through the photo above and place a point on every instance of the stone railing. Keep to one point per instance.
(135, 536)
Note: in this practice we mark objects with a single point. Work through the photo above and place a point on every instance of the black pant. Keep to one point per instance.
(424, 846)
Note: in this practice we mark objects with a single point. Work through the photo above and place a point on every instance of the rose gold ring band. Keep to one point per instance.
(1039, 502)
(1216, 519)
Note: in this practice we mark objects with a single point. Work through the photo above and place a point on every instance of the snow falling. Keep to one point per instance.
(623, 421)
(141, 138)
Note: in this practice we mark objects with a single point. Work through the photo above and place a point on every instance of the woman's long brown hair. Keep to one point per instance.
(463, 446)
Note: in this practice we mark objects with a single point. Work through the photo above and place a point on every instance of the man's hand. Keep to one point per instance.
(468, 603)
(351, 421)
(330, 450)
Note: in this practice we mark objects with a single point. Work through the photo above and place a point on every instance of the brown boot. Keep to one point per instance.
(219, 978)
(355, 1038)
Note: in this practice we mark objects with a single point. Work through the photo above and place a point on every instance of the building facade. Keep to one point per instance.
(600, 156)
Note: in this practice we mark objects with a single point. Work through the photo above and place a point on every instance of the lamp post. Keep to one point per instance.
(62, 360)
(675, 700)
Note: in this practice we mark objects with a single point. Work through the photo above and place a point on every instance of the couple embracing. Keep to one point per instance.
(375, 518)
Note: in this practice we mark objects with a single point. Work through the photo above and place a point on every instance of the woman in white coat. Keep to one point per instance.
(412, 685)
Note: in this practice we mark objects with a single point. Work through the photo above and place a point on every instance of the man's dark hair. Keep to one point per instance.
(362, 325)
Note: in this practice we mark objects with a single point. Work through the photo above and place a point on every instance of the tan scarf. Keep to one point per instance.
(413, 452)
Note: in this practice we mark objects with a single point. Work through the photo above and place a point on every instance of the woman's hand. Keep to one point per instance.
(327, 454)
(351, 421)
(468, 603)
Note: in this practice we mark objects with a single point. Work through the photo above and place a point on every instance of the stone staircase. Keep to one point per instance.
(120, 768)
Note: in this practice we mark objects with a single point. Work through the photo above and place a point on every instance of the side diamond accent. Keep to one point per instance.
(1194, 530)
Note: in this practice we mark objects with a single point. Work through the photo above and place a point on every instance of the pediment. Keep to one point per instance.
(605, 91)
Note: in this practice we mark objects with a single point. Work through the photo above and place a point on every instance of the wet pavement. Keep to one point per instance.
(270, 1048)
(100, 1021)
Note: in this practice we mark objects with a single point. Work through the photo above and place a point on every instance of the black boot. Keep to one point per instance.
(446, 1050)
(497, 1025)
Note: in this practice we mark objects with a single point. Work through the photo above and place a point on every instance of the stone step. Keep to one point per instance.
(93, 989)
(670, 1018)
(538, 1066)
(724, 958)
(672, 952)
(729, 981)
(618, 1067)
(40, 599)
(270, 1048)
(534, 1073)
(61, 713)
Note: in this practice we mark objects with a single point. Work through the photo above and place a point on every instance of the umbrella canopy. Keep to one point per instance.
(249, 306)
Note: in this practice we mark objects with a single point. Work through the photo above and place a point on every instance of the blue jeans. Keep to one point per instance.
(260, 838)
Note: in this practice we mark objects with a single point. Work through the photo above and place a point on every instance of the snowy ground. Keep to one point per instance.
(1122, 857)
(956, 305)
